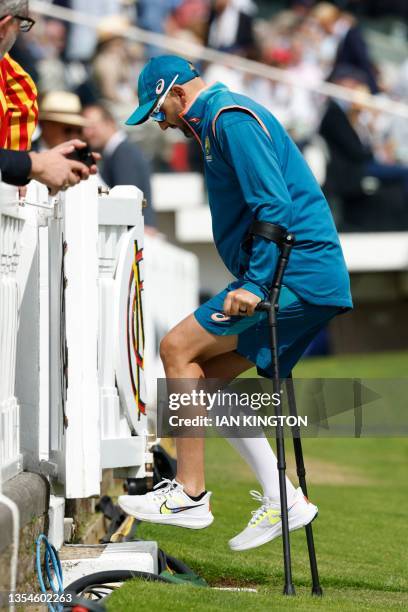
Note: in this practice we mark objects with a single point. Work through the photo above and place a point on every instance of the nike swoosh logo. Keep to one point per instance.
(164, 509)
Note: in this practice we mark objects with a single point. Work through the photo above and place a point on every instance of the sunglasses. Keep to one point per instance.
(157, 114)
(26, 23)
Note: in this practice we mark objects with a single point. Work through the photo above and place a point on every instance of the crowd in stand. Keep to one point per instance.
(87, 80)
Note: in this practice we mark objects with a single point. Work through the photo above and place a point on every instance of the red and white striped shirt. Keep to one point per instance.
(18, 106)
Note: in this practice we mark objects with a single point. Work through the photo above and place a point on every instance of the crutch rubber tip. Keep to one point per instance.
(317, 591)
(289, 589)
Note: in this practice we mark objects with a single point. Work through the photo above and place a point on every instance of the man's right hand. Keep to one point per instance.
(56, 171)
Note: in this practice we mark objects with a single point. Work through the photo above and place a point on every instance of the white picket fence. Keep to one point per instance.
(11, 223)
(84, 299)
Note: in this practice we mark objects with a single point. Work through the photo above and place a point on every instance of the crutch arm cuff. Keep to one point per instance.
(270, 231)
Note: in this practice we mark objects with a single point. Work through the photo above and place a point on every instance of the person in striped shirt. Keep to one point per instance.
(18, 102)
(18, 93)
(19, 115)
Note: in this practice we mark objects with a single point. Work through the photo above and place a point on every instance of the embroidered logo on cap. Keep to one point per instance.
(159, 86)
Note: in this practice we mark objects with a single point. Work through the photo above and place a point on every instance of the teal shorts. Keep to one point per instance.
(298, 323)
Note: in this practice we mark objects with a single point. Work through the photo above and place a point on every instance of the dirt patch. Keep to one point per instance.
(325, 472)
(234, 583)
(317, 471)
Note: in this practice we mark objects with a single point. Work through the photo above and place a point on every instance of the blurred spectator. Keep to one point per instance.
(353, 172)
(348, 154)
(189, 21)
(112, 65)
(398, 126)
(231, 27)
(60, 118)
(81, 38)
(43, 53)
(347, 37)
(123, 163)
(52, 70)
(152, 15)
(25, 55)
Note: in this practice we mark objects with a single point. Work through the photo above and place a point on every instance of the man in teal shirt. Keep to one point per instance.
(253, 170)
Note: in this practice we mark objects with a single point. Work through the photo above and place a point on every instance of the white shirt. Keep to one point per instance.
(114, 141)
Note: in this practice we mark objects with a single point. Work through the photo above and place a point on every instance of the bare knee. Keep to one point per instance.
(170, 349)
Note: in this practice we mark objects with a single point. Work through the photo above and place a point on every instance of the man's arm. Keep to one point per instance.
(250, 151)
(51, 167)
(15, 167)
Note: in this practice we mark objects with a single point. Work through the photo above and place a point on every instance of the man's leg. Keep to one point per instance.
(256, 452)
(184, 351)
(189, 351)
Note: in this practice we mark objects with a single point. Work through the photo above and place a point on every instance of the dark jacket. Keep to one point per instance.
(15, 167)
(244, 37)
(128, 166)
(353, 51)
(348, 155)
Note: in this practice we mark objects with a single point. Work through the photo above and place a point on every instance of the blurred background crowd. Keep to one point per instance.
(87, 80)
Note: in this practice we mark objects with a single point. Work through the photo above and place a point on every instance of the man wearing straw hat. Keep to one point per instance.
(60, 118)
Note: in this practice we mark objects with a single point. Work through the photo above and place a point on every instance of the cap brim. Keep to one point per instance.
(142, 113)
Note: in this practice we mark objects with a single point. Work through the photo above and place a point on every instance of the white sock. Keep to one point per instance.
(257, 452)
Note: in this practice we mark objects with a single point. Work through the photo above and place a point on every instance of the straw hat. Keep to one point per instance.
(62, 107)
(112, 26)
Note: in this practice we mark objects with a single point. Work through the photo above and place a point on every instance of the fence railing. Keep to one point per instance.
(11, 223)
(76, 334)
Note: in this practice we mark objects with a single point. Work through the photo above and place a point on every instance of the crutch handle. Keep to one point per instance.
(264, 306)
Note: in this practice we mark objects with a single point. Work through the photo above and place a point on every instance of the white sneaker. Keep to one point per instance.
(266, 525)
(168, 504)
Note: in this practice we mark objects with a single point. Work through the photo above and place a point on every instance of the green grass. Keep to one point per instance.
(375, 365)
(361, 535)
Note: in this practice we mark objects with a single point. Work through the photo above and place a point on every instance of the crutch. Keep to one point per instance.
(285, 242)
(301, 473)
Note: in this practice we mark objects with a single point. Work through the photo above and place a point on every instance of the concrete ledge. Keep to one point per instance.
(31, 493)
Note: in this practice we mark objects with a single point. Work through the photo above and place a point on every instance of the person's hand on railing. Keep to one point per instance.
(56, 171)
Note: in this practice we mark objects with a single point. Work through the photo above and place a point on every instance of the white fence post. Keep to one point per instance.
(82, 414)
(121, 369)
(29, 328)
(11, 224)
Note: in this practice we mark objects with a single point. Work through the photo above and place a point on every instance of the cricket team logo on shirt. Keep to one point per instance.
(207, 149)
